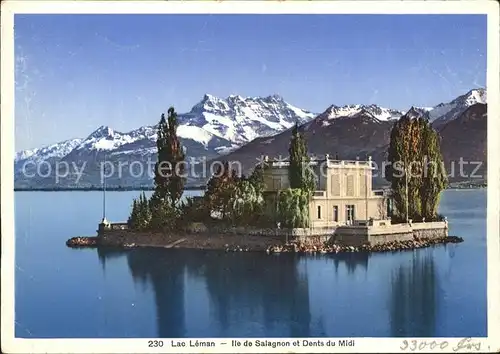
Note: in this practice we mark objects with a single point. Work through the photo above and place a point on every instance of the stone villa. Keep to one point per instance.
(343, 194)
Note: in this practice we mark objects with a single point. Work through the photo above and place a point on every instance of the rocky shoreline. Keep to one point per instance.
(76, 242)
(383, 247)
(269, 246)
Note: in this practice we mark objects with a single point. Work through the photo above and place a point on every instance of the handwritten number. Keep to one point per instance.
(404, 346)
(414, 345)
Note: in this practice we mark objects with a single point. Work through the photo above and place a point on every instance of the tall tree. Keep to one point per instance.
(300, 174)
(434, 179)
(169, 170)
(413, 153)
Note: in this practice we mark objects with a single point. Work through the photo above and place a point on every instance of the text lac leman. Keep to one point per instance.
(193, 343)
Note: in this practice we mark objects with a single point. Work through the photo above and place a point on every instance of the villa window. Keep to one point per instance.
(319, 211)
(336, 213)
(349, 213)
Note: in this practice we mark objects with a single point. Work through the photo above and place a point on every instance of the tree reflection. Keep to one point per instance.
(165, 271)
(249, 294)
(414, 298)
(256, 288)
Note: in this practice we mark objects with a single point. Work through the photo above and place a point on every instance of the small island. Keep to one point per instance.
(298, 203)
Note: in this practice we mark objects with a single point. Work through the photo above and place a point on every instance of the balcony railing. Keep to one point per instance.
(319, 193)
(315, 162)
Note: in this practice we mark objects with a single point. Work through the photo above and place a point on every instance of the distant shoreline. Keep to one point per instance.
(135, 189)
(94, 189)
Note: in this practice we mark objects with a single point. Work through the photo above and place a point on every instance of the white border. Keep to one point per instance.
(9, 8)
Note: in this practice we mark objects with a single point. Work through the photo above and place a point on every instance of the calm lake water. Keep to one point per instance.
(62, 292)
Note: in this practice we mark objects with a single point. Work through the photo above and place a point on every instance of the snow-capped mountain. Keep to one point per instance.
(216, 126)
(357, 133)
(444, 112)
(380, 113)
(30, 158)
(240, 120)
(212, 127)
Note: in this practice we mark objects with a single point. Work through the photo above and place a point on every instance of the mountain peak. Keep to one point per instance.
(351, 110)
(274, 97)
(475, 96)
(102, 132)
(449, 111)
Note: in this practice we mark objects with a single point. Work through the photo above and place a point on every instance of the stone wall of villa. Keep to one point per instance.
(383, 233)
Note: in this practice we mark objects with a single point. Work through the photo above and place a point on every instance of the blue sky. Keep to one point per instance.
(75, 73)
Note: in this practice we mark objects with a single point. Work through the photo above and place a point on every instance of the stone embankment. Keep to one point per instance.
(383, 247)
(255, 243)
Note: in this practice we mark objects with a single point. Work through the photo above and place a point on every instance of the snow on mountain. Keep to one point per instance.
(240, 120)
(379, 113)
(451, 110)
(213, 126)
(57, 150)
(235, 119)
(216, 126)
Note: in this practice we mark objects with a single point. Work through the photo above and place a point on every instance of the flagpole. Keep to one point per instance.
(104, 190)
(366, 187)
(406, 192)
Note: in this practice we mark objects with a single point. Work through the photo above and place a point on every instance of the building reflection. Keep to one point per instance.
(414, 298)
(255, 288)
(352, 261)
(247, 294)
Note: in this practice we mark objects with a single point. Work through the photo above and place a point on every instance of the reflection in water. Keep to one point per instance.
(242, 287)
(272, 292)
(252, 285)
(105, 253)
(165, 270)
(351, 261)
(414, 298)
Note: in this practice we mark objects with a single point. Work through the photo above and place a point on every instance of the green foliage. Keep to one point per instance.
(293, 208)
(193, 210)
(140, 217)
(246, 203)
(415, 171)
(221, 190)
(233, 199)
(163, 215)
(300, 174)
(257, 178)
(169, 170)
(161, 212)
(434, 177)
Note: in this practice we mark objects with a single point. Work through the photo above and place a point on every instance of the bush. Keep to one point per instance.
(193, 209)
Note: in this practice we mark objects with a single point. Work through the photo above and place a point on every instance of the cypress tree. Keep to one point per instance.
(132, 219)
(169, 180)
(299, 172)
